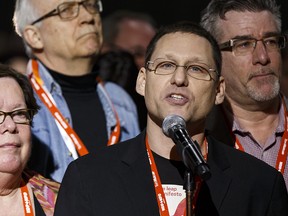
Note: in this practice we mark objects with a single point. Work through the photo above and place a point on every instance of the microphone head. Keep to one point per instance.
(171, 121)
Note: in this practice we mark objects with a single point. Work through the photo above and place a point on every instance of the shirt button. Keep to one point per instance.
(54, 88)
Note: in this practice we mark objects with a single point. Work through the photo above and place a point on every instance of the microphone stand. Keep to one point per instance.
(189, 187)
(202, 170)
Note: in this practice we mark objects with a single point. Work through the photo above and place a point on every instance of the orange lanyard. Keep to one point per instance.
(47, 99)
(160, 195)
(115, 133)
(283, 150)
(27, 204)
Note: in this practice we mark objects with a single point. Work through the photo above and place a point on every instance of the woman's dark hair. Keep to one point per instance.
(24, 83)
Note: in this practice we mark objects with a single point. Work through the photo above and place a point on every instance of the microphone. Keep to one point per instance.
(174, 127)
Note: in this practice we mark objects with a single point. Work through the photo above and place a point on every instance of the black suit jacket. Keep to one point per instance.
(118, 181)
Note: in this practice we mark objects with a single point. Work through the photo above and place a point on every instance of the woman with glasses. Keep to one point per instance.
(22, 191)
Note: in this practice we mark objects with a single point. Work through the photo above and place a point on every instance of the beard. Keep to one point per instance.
(264, 90)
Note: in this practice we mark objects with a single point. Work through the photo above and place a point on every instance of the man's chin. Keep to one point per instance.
(90, 50)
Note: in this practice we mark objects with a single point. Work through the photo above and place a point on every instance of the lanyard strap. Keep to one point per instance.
(27, 204)
(115, 133)
(283, 150)
(160, 195)
(67, 132)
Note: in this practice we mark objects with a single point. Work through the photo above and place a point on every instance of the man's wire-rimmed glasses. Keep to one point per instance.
(20, 116)
(70, 10)
(244, 46)
(199, 71)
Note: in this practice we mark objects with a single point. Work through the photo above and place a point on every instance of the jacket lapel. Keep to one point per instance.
(136, 176)
(218, 126)
(220, 180)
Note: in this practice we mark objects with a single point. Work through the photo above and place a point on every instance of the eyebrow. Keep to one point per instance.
(189, 61)
(201, 61)
(193, 59)
(266, 34)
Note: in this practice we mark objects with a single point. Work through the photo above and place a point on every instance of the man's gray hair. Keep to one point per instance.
(217, 9)
(24, 14)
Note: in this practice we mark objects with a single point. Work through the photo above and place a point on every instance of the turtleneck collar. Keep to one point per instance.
(81, 84)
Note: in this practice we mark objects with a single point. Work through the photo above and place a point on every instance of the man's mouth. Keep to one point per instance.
(177, 97)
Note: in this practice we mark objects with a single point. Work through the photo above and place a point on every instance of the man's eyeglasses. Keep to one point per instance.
(240, 47)
(20, 116)
(70, 10)
(196, 70)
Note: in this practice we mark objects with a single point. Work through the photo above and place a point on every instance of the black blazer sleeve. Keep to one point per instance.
(76, 201)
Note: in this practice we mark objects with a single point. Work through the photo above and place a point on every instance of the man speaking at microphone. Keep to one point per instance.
(144, 176)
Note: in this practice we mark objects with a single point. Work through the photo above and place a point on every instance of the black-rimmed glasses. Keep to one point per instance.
(240, 47)
(20, 116)
(70, 10)
(196, 70)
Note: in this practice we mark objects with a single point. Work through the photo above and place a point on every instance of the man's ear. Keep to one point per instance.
(141, 82)
(220, 92)
(32, 37)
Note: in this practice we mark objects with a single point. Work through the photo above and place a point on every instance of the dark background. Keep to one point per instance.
(163, 11)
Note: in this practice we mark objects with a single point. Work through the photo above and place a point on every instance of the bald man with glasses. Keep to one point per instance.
(79, 113)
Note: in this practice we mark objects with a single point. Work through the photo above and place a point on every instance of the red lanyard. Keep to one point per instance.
(47, 99)
(160, 195)
(283, 150)
(27, 204)
(115, 133)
